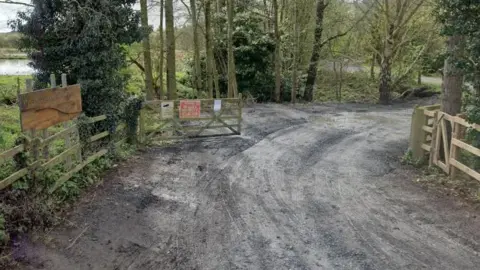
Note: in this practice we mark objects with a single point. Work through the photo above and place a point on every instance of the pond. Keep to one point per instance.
(15, 67)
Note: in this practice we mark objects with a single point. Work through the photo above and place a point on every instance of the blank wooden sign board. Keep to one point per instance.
(44, 108)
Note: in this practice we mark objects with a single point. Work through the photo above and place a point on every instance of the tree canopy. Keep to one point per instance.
(84, 40)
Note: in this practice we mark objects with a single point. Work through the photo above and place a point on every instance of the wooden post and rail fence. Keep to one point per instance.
(49, 116)
(441, 137)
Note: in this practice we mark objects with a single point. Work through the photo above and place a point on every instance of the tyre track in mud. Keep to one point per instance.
(312, 187)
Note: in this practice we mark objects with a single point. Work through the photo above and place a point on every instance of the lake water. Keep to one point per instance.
(15, 67)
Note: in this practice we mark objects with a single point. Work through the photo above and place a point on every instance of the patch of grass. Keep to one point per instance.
(9, 86)
(9, 126)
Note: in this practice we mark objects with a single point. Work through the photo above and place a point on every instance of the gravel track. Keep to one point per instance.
(310, 187)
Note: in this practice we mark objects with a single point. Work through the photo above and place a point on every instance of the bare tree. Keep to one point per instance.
(317, 46)
(147, 57)
(232, 77)
(196, 47)
(395, 17)
(161, 93)
(296, 53)
(170, 40)
(278, 56)
(209, 46)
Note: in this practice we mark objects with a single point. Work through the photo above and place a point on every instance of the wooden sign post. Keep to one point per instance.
(44, 108)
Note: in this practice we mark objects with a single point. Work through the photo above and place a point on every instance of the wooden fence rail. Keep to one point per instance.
(73, 152)
(441, 136)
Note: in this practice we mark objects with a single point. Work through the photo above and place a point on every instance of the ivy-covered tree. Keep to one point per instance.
(461, 18)
(461, 23)
(83, 39)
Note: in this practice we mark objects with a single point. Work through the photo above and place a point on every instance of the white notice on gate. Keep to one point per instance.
(217, 105)
(167, 109)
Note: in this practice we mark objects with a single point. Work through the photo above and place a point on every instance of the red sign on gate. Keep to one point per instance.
(189, 108)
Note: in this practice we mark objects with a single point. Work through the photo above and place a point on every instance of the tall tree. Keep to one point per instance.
(196, 47)
(317, 46)
(232, 77)
(396, 16)
(296, 45)
(170, 40)
(161, 59)
(147, 56)
(209, 47)
(278, 56)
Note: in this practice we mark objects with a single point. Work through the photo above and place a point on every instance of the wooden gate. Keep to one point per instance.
(178, 119)
(441, 141)
(443, 138)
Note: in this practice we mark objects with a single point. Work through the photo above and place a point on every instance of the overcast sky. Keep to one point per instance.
(9, 11)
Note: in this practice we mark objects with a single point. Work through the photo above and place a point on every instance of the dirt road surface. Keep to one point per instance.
(311, 187)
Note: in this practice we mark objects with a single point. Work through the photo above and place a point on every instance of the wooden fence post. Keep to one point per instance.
(454, 153)
(433, 143)
(68, 143)
(417, 134)
(32, 133)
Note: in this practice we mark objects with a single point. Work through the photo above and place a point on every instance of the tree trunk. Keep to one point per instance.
(453, 76)
(278, 57)
(266, 22)
(372, 66)
(336, 77)
(196, 48)
(295, 55)
(317, 46)
(147, 57)
(209, 47)
(161, 93)
(419, 77)
(340, 83)
(386, 67)
(170, 38)
(232, 79)
(215, 78)
(385, 81)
